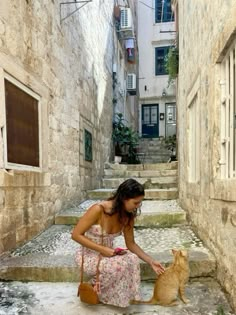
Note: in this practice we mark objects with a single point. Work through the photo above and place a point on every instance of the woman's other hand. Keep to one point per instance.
(108, 252)
(157, 267)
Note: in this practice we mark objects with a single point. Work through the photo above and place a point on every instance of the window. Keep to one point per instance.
(88, 146)
(22, 142)
(228, 114)
(160, 55)
(163, 12)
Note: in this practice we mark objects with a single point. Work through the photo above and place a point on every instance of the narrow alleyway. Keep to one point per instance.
(42, 277)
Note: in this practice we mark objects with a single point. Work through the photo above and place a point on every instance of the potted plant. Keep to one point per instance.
(125, 140)
(170, 145)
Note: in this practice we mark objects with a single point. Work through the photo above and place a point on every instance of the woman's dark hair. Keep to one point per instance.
(129, 189)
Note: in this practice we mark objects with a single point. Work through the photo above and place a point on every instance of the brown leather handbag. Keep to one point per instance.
(88, 293)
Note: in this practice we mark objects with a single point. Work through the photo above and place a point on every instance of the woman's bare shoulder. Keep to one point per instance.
(95, 208)
(106, 206)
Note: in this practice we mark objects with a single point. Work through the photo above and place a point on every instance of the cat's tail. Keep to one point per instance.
(152, 301)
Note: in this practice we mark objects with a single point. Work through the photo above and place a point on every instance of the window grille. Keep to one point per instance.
(228, 114)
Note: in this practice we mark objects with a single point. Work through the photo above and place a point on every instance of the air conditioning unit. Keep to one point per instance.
(126, 19)
(131, 82)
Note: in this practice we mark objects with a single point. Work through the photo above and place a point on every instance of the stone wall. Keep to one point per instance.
(68, 63)
(206, 29)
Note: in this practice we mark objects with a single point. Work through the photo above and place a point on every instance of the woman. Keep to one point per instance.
(119, 274)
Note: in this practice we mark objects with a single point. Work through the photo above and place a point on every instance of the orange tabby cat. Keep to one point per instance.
(172, 282)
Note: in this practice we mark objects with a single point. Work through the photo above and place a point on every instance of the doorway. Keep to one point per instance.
(170, 119)
(150, 121)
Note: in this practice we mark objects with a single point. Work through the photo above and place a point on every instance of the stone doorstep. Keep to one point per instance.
(161, 219)
(154, 182)
(150, 194)
(50, 256)
(109, 173)
(140, 167)
(161, 213)
(205, 297)
(57, 268)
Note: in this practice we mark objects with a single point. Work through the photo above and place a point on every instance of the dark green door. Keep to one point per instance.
(150, 122)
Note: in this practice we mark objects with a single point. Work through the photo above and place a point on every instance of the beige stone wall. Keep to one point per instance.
(206, 29)
(69, 65)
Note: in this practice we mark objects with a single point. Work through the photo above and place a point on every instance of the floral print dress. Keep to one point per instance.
(119, 275)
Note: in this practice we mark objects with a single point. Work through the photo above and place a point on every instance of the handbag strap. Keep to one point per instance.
(99, 259)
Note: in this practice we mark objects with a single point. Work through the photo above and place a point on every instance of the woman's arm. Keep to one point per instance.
(91, 217)
(134, 248)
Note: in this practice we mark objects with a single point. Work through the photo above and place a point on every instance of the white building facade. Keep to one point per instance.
(125, 61)
(156, 34)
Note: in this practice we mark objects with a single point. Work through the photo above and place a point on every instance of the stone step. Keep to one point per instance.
(113, 173)
(147, 182)
(161, 213)
(159, 194)
(141, 167)
(205, 297)
(50, 256)
(156, 159)
(156, 149)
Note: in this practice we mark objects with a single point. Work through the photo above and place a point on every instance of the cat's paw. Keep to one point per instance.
(185, 300)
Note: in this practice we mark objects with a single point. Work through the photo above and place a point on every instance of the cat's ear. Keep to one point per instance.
(174, 251)
(184, 253)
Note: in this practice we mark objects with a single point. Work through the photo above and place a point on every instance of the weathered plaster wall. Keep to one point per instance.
(69, 65)
(205, 29)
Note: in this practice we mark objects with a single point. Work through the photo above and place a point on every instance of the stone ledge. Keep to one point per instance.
(24, 179)
(56, 268)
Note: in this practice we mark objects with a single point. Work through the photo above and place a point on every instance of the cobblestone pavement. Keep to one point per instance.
(37, 298)
(57, 240)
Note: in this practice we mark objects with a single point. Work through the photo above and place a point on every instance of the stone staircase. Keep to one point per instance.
(152, 151)
(159, 180)
(49, 257)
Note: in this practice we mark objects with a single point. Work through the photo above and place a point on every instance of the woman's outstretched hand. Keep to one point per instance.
(157, 267)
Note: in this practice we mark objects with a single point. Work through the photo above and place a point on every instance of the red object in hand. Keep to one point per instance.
(120, 250)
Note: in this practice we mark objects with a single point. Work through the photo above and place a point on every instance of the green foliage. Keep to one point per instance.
(220, 310)
(170, 144)
(125, 139)
(172, 64)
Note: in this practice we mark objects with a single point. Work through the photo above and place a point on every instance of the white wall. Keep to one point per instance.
(150, 35)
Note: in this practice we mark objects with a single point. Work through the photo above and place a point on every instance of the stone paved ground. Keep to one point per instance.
(57, 240)
(41, 298)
